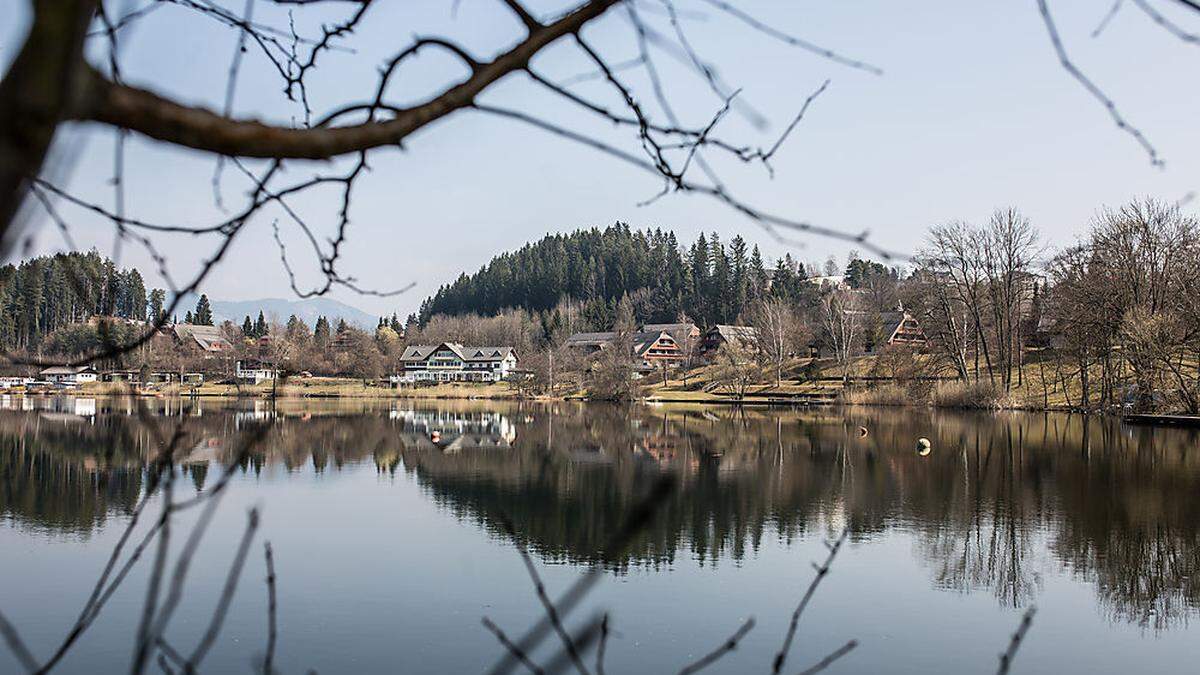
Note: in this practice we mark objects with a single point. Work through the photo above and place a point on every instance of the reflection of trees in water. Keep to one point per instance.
(571, 477)
(1138, 543)
(1114, 506)
(1001, 500)
(65, 475)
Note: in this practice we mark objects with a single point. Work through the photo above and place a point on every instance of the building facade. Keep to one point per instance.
(453, 362)
(651, 349)
(68, 375)
(740, 337)
(254, 371)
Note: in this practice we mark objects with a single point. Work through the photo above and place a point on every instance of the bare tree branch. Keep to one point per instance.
(1091, 87)
(152, 115)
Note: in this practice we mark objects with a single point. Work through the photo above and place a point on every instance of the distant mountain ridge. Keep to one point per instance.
(307, 309)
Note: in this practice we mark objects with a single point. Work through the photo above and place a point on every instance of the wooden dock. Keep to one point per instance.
(1164, 420)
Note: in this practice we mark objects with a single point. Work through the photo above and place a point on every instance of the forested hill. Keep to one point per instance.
(709, 282)
(45, 293)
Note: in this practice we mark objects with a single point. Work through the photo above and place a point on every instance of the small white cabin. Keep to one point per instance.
(255, 371)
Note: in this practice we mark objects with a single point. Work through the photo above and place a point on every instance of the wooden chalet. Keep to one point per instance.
(901, 328)
(651, 348)
(721, 334)
(208, 339)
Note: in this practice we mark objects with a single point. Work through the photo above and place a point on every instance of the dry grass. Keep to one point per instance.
(887, 394)
(979, 395)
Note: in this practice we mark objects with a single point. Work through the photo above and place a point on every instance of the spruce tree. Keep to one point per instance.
(203, 315)
(247, 327)
(321, 333)
(297, 330)
(158, 298)
(260, 326)
(758, 279)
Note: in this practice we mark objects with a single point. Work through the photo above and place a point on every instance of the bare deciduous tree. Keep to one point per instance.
(777, 330)
(841, 319)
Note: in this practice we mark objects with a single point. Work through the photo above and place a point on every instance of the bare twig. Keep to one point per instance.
(727, 646)
(1108, 17)
(1166, 24)
(792, 40)
(13, 639)
(514, 650)
(1014, 643)
(639, 517)
(1091, 87)
(222, 609)
(829, 659)
(547, 605)
(600, 649)
(822, 571)
(272, 612)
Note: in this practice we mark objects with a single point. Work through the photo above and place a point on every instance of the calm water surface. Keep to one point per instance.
(387, 524)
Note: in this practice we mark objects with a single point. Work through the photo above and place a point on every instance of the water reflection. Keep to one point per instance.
(998, 503)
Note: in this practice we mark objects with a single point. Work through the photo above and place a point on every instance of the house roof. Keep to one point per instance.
(67, 370)
(422, 352)
(643, 341)
(208, 338)
(488, 353)
(890, 323)
(591, 339)
(671, 327)
(729, 332)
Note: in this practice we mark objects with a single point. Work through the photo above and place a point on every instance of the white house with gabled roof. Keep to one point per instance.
(68, 375)
(452, 362)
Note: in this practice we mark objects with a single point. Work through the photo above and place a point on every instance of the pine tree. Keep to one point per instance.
(297, 330)
(247, 327)
(203, 315)
(260, 326)
(740, 281)
(158, 298)
(321, 333)
(758, 279)
(135, 295)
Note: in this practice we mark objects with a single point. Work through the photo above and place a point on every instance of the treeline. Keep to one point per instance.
(1114, 320)
(708, 282)
(43, 294)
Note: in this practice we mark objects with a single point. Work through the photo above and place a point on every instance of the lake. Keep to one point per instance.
(395, 527)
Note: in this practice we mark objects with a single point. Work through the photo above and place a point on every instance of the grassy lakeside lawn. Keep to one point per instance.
(316, 387)
(1043, 385)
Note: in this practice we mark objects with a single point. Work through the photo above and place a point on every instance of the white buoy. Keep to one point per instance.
(924, 447)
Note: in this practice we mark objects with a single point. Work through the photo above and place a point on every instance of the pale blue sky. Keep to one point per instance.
(973, 113)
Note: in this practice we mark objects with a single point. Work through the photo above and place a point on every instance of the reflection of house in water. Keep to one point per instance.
(662, 448)
(451, 432)
(206, 450)
(259, 411)
(62, 409)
